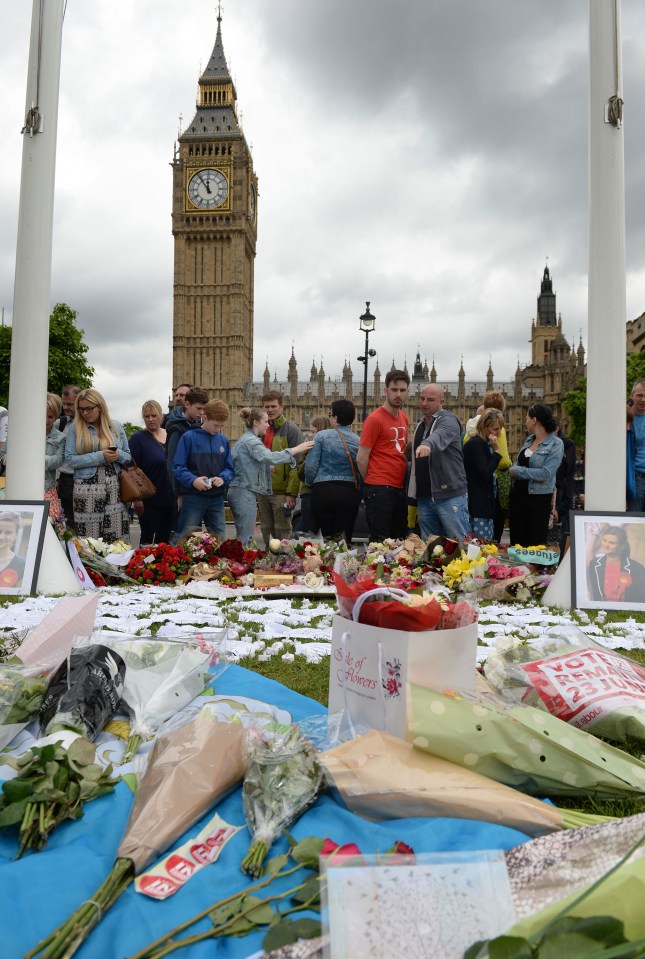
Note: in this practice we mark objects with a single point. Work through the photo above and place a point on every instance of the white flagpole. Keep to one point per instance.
(605, 447)
(32, 286)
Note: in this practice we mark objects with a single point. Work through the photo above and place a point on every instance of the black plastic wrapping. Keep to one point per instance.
(84, 692)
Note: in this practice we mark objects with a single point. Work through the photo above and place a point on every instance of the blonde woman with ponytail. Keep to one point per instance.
(253, 463)
(96, 448)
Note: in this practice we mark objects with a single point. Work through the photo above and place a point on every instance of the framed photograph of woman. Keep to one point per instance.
(22, 531)
(608, 560)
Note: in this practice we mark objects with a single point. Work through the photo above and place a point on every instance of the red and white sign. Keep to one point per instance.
(584, 687)
(169, 875)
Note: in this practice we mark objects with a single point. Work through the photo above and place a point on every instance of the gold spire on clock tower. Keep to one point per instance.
(214, 224)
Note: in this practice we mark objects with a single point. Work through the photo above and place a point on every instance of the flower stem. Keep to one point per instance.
(148, 951)
(63, 942)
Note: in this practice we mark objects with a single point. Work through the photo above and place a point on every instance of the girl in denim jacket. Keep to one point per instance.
(533, 476)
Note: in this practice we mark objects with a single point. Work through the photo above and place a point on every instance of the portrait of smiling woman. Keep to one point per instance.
(612, 573)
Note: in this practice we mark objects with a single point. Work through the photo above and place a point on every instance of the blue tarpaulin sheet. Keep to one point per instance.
(40, 890)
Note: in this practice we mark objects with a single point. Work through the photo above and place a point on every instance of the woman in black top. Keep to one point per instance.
(481, 459)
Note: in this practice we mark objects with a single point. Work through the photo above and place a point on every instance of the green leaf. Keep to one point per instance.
(309, 891)
(262, 914)
(221, 914)
(478, 950)
(307, 928)
(307, 851)
(13, 814)
(573, 945)
(280, 934)
(275, 864)
(81, 752)
(605, 929)
(17, 789)
(511, 947)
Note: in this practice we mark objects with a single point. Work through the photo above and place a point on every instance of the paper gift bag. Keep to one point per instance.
(370, 668)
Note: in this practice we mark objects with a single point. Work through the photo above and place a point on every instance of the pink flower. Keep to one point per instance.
(331, 848)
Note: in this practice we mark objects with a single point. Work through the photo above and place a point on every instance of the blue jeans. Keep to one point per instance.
(637, 504)
(444, 517)
(197, 508)
(244, 505)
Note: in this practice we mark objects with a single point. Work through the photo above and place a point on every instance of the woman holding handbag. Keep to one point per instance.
(149, 453)
(332, 473)
(96, 448)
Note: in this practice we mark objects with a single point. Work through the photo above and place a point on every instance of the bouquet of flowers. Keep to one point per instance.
(92, 553)
(493, 574)
(568, 675)
(22, 690)
(162, 676)
(227, 562)
(382, 596)
(282, 780)
(155, 565)
(203, 752)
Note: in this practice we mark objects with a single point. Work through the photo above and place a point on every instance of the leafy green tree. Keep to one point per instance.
(635, 369)
(129, 429)
(575, 401)
(67, 354)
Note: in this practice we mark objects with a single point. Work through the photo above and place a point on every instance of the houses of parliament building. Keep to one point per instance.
(214, 225)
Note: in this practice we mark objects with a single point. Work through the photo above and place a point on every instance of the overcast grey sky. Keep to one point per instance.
(425, 155)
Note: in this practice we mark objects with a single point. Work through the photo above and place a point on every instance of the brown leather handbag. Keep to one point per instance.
(134, 484)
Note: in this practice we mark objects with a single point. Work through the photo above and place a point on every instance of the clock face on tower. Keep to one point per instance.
(252, 204)
(208, 189)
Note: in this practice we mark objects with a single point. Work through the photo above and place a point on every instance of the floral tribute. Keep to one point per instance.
(406, 590)
(491, 573)
(153, 565)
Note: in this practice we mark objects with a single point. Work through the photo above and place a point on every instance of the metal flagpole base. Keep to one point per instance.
(558, 592)
(56, 575)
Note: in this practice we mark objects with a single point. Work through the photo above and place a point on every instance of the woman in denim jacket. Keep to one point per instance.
(96, 447)
(332, 473)
(533, 478)
(253, 462)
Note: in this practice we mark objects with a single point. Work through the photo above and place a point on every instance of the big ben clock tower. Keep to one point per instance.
(214, 223)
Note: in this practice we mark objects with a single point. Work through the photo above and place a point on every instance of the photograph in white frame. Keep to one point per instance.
(608, 553)
(22, 531)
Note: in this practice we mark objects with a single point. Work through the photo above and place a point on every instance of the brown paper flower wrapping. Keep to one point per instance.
(189, 769)
(381, 777)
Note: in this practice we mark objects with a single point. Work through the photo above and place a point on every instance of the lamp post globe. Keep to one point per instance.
(366, 325)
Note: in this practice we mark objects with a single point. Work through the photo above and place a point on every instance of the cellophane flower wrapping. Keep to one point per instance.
(22, 690)
(567, 674)
(393, 604)
(520, 746)
(162, 676)
(282, 780)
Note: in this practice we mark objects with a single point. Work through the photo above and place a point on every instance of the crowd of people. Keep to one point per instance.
(439, 478)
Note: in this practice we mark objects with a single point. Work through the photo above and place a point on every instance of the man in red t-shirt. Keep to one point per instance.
(382, 464)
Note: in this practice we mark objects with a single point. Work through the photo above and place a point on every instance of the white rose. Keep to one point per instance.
(274, 545)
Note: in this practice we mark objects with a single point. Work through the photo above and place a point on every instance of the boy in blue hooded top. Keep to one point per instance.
(203, 468)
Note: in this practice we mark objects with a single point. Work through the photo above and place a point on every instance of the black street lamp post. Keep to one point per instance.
(367, 322)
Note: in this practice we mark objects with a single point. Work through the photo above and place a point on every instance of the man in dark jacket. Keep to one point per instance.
(181, 419)
(438, 477)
